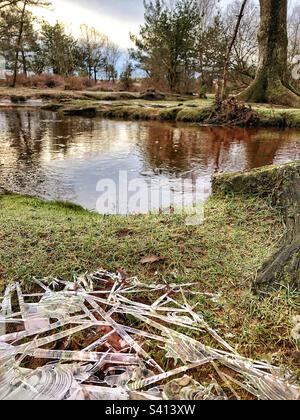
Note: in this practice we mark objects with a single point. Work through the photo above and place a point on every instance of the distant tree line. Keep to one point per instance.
(181, 46)
(184, 42)
(33, 46)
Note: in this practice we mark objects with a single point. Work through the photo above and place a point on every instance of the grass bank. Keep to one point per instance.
(135, 106)
(23, 94)
(222, 257)
(189, 111)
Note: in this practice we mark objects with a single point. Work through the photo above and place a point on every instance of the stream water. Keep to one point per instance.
(103, 164)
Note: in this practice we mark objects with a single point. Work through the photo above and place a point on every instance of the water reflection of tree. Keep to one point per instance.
(31, 132)
(33, 143)
(25, 132)
(181, 149)
(29, 136)
(63, 131)
(167, 148)
(260, 146)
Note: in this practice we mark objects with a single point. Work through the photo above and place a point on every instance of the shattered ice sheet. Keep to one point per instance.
(91, 339)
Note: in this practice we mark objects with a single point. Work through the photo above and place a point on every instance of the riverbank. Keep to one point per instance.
(222, 257)
(135, 106)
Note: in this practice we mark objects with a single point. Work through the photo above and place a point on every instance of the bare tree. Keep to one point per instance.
(294, 34)
(207, 10)
(7, 3)
(93, 47)
(231, 45)
(112, 56)
(244, 56)
(23, 5)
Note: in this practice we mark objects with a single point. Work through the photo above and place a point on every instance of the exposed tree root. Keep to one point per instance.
(282, 268)
(293, 89)
(281, 185)
(275, 92)
(230, 111)
(283, 95)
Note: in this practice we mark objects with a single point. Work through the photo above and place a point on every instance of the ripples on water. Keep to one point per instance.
(44, 155)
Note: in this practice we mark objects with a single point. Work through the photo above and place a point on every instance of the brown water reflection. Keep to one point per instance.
(64, 158)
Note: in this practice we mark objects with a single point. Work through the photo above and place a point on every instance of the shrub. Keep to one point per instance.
(50, 81)
(78, 83)
(22, 80)
(126, 81)
(104, 86)
(38, 81)
(88, 83)
(153, 84)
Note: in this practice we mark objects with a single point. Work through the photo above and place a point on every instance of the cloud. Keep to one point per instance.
(130, 10)
(115, 18)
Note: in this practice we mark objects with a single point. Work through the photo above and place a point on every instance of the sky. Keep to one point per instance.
(115, 18)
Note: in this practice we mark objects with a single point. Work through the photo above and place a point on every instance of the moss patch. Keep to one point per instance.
(278, 117)
(196, 111)
(266, 181)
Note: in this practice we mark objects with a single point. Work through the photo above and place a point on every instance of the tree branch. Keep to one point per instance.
(235, 34)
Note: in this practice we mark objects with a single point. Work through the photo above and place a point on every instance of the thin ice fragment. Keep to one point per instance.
(93, 339)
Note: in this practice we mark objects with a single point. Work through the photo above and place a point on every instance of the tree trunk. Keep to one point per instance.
(280, 185)
(24, 63)
(271, 82)
(18, 45)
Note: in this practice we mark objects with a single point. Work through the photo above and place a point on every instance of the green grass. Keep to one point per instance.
(187, 111)
(278, 117)
(194, 111)
(61, 95)
(222, 256)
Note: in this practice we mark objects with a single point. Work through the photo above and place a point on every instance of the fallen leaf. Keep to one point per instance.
(152, 259)
(198, 250)
(124, 275)
(124, 232)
